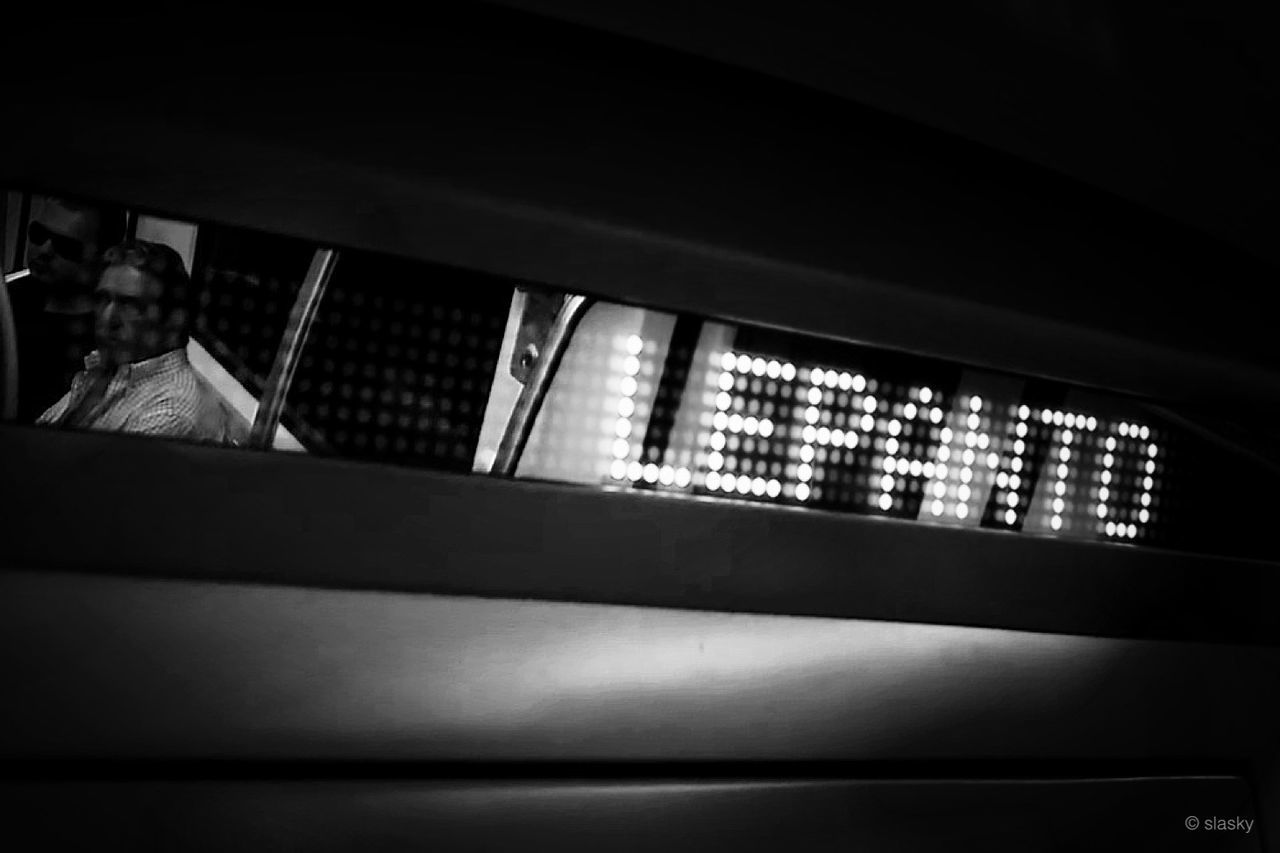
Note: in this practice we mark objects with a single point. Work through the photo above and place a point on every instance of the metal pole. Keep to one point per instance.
(8, 347)
(295, 338)
(529, 403)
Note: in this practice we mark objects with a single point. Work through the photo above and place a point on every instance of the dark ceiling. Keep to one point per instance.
(1171, 106)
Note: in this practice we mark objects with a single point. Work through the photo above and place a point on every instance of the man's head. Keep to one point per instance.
(65, 241)
(144, 302)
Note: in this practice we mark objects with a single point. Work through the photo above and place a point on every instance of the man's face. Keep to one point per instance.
(129, 323)
(61, 248)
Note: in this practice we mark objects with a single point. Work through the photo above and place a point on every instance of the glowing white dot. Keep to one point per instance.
(974, 421)
(916, 468)
(886, 483)
(929, 470)
(869, 405)
(1056, 522)
(717, 441)
(964, 493)
(941, 472)
(1063, 471)
(1133, 531)
(1144, 433)
(1012, 499)
(1024, 412)
(1015, 481)
(810, 434)
(744, 364)
(628, 386)
(890, 465)
(1021, 430)
(750, 425)
(962, 511)
(811, 415)
(909, 411)
(1046, 417)
(1148, 483)
(1067, 436)
(735, 423)
(817, 375)
(713, 481)
(1144, 516)
(1065, 454)
(1152, 451)
(1002, 480)
(1151, 466)
(1102, 510)
(940, 489)
(758, 367)
(802, 492)
(944, 454)
(895, 428)
(758, 486)
(935, 416)
(720, 421)
(937, 508)
(728, 361)
(846, 381)
(946, 435)
(788, 372)
(1019, 447)
(666, 475)
(723, 401)
(806, 453)
(1092, 423)
(618, 470)
(970, 439)
(773, 369)
(831, 379)
(903, 467)
(728, 482)
(968, 457)
(1059, 488)
(859, 383)
(1059, 505)
(622, 428)
(1071, 421)
(773, 488)
(635, 471)
(726, 381)
(744, 484)
(1011, 517)
(966, 475)
(1111, 443)
(1111, 528)
(891, 445)
(850, 439)
(1016, 465)
(926, 395)
(975, 404)
(1146, 499)
(886, 502)
(626, 407)
(824, 436)
(1104, 494)
(1106, 477)
(867, 423)
(1058, 419)
(984, 441)
(766, 427)
(815, 396)
(993, 461)
(631, 366)
(1124, 430)
(804, 473)
(683, 478)
(621, 449)
(634, 345)
(715, 461)
(651, 473)
(837, 436)
(1108, 460)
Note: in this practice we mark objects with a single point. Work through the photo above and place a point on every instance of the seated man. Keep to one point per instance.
(138, 379)
(53, 306)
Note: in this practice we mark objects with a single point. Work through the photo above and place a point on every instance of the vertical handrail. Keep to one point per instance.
(295, 338)
(8, 344)
(529, 403)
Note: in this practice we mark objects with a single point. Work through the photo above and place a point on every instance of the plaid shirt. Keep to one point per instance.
(161, 396)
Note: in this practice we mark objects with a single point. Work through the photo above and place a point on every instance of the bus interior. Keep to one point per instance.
(652, 426)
